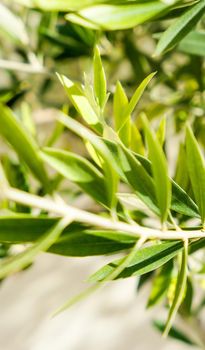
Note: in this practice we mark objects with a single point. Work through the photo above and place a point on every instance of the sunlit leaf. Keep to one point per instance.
(14, 133)
(145, 260)
(79, 170)
(99, 79)
(120, 118)
(160, 172)
(81, 103)
(196, 169)
(114, 17)
(181, 27)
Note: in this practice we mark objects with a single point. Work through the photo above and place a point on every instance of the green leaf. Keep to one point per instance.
(110, 165)
(81, 103)
(60, 5)
(181, 202)
(179, 290)
(161, 132)
(99, 79)
(160, 284)
(136, 144)
(18, 262)
(90, 243)
(115, 17)
(186, 306)
(193, 44)
(17, 30)
(174, 333)
(160, 172)
(145, 260)
(120, 103)
(75, 240)
(135, 99)
(181, 172)
(78, 170)
(196, 170)
(137, 177)
(23, 144)
(180, 28)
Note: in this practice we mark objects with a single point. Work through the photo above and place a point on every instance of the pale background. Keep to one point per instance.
(114, 318)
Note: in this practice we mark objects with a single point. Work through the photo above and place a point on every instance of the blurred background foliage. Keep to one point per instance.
(39, 38)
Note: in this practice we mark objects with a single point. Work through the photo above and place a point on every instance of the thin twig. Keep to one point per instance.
(95, 220)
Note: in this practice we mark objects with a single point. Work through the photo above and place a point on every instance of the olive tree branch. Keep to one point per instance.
(83, 216)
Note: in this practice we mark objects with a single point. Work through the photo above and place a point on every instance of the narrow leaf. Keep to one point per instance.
(18, 262)
(196, 170)
(174, 333)
(99, 79)
(120, 103)
(160, 284)
(80, 102)
(145, 260)
(75, 240)
(135, 98)
(181, 27)
(114, 17)
(78, 170)
(193, 44)
(160, 172)
(13, 132)
(180, 289)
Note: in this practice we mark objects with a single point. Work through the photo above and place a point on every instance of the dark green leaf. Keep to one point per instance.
(145, 260)
(174, 333)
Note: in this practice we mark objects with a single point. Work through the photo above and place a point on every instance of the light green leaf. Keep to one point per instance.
(196, 170)
(180, 28)
(181, 202)
(12, 25)
(109, 164)
(99, 79)
(193, 44)
(161, 132)
(135, 99)
(138, 178)
(136, 144)
(145, 260)
(120, 103)
(114, 17)
(181, 172)
(18, 262)
(78, 170)
(60, 5)
(14, 133)
(160, 172)
(179, 290)
(81, 103)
